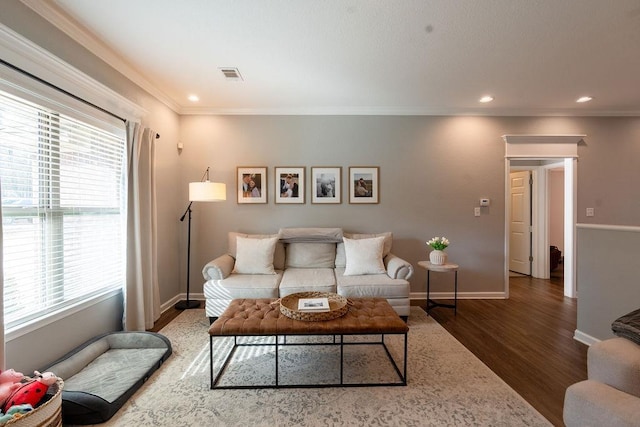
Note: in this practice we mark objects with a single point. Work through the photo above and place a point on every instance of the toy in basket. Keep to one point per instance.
(31, 402)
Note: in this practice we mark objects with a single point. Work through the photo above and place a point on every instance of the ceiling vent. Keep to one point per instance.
(231, 73)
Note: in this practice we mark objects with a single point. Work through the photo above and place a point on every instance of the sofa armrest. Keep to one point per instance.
(397, 268)
(219, 268)
(615, 362)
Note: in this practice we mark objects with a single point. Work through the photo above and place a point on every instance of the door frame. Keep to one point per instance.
(540, 216)
(547, 147)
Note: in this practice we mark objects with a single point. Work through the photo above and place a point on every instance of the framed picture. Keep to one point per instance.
(326, 185)
(289, 185)
(252, 184)
(364, 184)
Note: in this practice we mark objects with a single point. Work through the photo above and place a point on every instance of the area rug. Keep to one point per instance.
(447, 385)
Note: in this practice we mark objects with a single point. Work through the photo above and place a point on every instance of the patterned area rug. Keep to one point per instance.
(447, 385)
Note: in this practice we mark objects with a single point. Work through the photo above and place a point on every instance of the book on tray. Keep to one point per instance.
(315, 305)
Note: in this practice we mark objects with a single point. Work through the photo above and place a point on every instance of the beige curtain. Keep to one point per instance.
(142, 295)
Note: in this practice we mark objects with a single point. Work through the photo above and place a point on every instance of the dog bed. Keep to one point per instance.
(101, 374)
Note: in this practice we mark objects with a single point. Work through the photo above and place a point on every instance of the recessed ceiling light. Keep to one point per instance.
(584, 99)
(193, 98)
(486, 98)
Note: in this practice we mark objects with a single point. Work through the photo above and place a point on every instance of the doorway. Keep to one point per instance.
(536, 222)
(539, 252)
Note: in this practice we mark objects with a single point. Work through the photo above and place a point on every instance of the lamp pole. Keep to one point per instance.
(201, 191)
(186, 304)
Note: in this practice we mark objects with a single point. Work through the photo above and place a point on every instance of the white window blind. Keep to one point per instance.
(63, 214)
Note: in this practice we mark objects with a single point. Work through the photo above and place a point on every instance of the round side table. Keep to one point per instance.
(444, 268)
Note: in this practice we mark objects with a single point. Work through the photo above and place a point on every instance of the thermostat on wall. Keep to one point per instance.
(484, 202)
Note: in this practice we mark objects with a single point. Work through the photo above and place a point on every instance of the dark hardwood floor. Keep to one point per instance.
(527, 340)
(165, 319)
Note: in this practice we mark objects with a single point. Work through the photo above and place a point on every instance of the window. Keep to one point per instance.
(63, 215)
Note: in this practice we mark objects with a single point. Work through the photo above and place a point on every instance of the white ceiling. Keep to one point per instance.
(369, 56)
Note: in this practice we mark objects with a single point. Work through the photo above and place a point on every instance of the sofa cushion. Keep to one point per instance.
(364, 256)
(252, 285)
(341, 260)
(311, 255)
(255, 256)
(307, 279)
(371, 286)
(278, 255)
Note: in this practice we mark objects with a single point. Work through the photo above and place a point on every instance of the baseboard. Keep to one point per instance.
(167, 305)
(584, 338)
(461, 295)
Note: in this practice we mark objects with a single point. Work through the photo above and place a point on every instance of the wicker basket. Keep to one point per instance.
(49, 414)
(338, 306)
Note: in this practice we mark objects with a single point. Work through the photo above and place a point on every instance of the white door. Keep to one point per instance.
(520, 223)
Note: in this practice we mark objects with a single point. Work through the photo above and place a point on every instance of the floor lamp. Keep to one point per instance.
(203, 191)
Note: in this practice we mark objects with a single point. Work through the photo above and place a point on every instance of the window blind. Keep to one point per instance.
(63, 214)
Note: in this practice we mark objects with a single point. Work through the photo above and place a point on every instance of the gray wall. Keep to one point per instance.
(433, 170)
(608, 272)
(37, 349)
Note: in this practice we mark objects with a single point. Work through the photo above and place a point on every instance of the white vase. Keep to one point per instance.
(438, 257)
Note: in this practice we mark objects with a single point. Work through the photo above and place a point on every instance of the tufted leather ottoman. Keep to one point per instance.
(262, 317)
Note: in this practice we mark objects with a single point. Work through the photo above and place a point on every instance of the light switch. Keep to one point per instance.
(590, 212)
(476, 211)
(485, 202)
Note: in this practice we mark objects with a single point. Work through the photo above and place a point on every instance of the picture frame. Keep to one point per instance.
(326, 184)
(289, 185)
(251, 184)
(364, 184)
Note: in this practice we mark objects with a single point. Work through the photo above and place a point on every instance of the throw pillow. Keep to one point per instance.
(278, 256)
(255, 256)
(364, 256)
(388, 239)
(340, 256)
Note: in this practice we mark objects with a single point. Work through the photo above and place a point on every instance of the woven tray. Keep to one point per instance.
(49, 414)
(338, 306)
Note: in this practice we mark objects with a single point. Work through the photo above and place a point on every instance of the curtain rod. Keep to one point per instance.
(66, 92)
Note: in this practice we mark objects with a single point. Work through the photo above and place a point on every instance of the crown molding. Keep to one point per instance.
(24, 54)
(400, 111)
(54, 15)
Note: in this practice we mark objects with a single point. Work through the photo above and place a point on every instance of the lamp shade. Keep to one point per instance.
(207, 191)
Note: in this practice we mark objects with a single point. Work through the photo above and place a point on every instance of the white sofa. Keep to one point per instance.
(307, 259)
(611, 394)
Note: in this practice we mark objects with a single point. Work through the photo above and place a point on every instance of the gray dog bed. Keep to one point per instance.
(101, 374)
